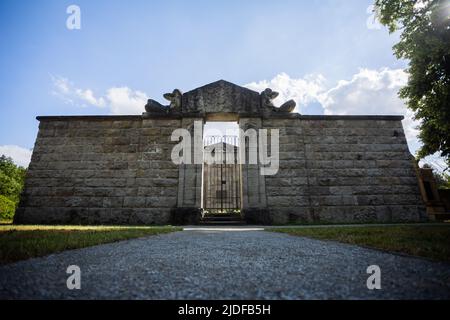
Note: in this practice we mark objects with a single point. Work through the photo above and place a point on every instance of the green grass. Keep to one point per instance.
(23, 242)
(423, 241)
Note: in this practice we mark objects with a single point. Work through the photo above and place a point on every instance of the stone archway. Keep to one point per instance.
(252, 198)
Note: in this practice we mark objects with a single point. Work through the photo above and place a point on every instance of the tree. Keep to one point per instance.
(425, 43)
(12, 179)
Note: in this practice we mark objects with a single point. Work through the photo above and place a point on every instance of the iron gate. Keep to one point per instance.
(221, 176)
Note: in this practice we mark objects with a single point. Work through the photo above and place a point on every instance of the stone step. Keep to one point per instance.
(222, 220)
(236, 222)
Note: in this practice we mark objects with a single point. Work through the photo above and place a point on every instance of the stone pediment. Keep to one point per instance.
(221, 97)
(217, 98)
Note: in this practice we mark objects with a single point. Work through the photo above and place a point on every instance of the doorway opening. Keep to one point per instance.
(221, 172)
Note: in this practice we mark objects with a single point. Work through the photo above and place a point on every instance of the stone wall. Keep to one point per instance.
(118, 170)
(343, 169)
(101, 170)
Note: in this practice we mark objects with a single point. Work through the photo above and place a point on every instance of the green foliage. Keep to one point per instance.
(12, 179)
(9, 187)
(442, 180)
(425, 43)
(7, 208)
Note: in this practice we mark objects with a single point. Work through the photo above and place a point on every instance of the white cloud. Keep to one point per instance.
(119, 100)
(61, 84)
(123, 100)
(368, 92)
(67, 91)
(21, 156)
(303, 90)
(88, 96)
(62, 89)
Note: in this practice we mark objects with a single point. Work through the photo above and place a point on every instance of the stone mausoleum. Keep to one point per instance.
(118, 169)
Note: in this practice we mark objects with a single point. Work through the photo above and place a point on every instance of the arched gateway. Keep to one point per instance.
(118, 169)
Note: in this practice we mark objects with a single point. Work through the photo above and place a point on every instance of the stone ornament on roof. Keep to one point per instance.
(154, 106)
(220, 97)
(175, 100)
(267, 97)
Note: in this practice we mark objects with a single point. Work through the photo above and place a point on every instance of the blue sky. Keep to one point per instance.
(127, 51)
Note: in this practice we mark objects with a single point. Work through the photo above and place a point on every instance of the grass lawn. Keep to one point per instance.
(23, 242)
(421, 240)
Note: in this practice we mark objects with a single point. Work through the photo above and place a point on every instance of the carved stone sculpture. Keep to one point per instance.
(154, 106)
(175, 100)
(267, 97)
(288, 106)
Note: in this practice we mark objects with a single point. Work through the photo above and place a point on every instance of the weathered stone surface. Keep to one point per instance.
(345, 170)
(88, 170)
(221, 97)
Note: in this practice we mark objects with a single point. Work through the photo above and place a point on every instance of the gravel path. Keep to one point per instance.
(214, 264)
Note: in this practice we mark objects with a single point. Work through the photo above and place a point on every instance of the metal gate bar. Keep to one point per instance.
(221, 187)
